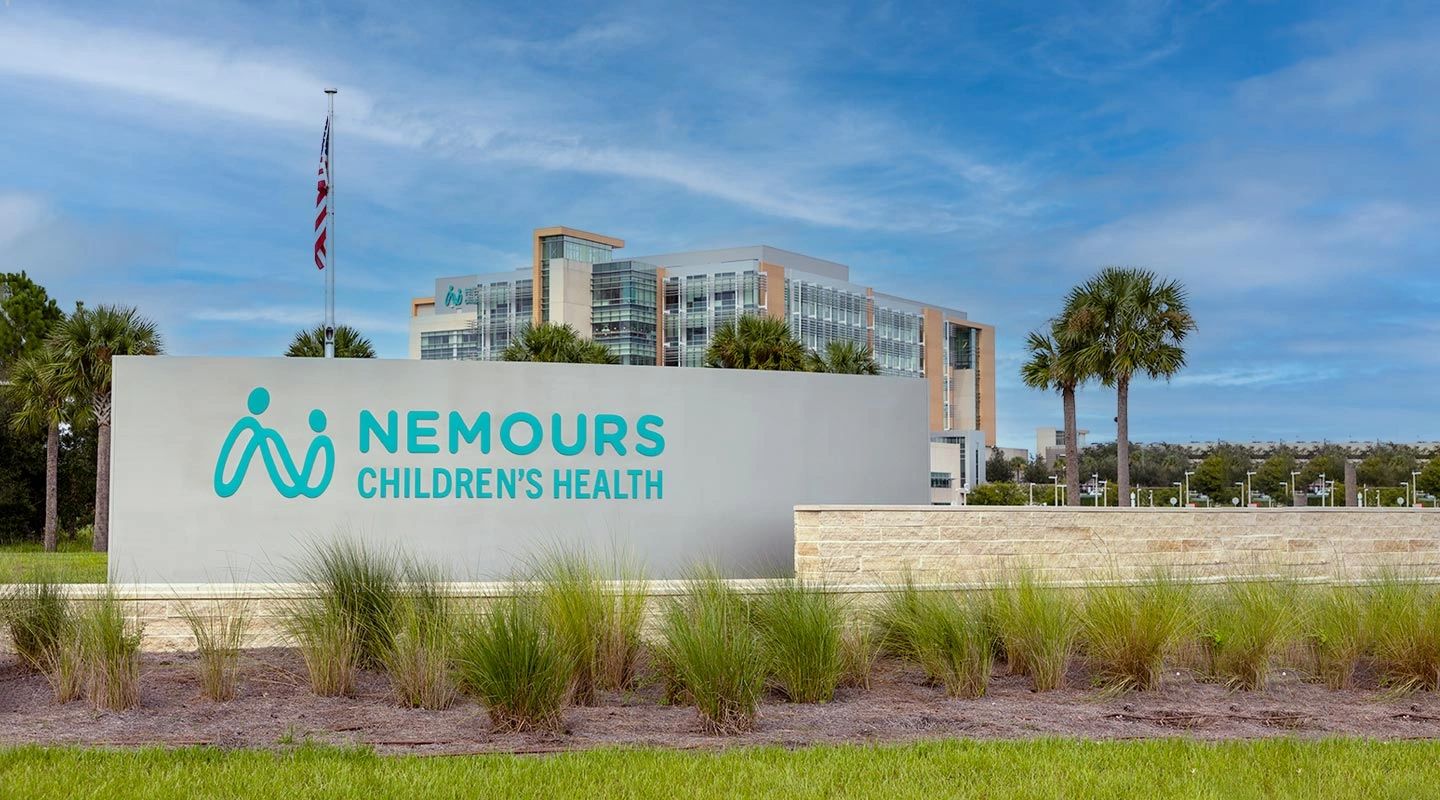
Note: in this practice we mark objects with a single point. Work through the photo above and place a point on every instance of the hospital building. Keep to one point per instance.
(662, 310)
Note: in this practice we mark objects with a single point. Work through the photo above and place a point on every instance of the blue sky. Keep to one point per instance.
(1279, 158)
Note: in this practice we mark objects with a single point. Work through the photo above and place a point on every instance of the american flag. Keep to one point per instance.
(322, 199)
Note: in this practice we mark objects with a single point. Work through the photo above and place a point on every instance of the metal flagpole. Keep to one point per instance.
(330, 269)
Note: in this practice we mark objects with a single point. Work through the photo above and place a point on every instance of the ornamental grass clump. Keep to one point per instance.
(1130, 631)
(328, 642)
(1337, 632)
(1039, 628)
(713, 654)
(422, 642)
(1405, 628)
(109, 639)
(946, 633)
(801, 628)
(39, 617)
(1251, 622)
(361, 584)
(596, 611)
(220, 629)
(511, 662)
(858, 652)
(41, 620)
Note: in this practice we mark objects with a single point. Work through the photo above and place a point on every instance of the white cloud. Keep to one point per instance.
(762, 167)
(267, 87)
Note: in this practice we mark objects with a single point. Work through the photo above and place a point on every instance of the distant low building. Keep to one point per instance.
(957, 463)
(1050, 442)
(1012, 453)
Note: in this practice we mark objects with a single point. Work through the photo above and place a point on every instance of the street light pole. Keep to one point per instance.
(1249, 487)
(1188, 473)
(1414, 488)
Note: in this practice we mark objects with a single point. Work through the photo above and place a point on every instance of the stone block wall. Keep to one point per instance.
(877, 545)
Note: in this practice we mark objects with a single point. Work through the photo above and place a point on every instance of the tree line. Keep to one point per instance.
(57, 369)
(1163, 465)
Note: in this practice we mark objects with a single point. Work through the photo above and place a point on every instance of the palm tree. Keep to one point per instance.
(753, 342)
(844, 357)
(1128, 321)
(556, 342)
(83, 346)
(1052, 367)
(349, 343)
(40, 401)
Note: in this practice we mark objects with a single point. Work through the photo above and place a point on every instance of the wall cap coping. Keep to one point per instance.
(288, 591)
(1125, 510)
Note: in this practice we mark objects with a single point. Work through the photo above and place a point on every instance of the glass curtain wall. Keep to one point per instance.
(494, 312)
(899, 341)
(819, 313)
(697, 305)
(622, 312)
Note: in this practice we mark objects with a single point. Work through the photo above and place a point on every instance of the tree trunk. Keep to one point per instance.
(102, 474)
(1072, 449)
(52, 472)
(1122, 439)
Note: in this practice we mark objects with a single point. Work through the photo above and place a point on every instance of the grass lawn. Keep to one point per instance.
(73, 562)
(1174, 768)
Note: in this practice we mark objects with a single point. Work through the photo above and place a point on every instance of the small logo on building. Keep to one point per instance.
(454, 298)
(289, 478)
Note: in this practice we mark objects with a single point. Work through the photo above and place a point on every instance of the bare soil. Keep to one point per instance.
(275, 707)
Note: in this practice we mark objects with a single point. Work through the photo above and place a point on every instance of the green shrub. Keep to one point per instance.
(39, 617)
(362, 585)
(800, 627)
(220, 629)
(422, 642)
(714, 654)
(109, 653)
(515, 666)
(1404, 621)
(1250, 624)
(596, 612)
(1337, 631)
(1129, 631)
(1039, 628)
(946, 634)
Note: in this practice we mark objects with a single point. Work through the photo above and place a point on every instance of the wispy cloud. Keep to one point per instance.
(786, 178)
(292, 317)
(1260, 376)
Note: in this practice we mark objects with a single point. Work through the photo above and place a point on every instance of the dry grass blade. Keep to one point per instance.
(109, 639)
(220, 629)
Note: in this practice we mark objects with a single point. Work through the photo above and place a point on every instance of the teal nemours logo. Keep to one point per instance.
(289, 479)
(454, 298)
(474, 454)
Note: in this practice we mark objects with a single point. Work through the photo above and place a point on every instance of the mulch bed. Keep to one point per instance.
(275, 707)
